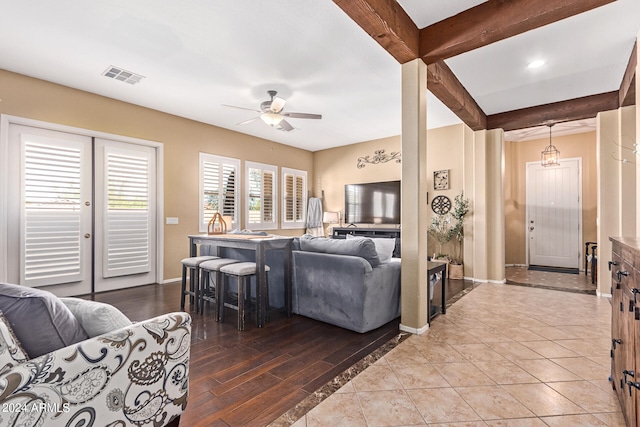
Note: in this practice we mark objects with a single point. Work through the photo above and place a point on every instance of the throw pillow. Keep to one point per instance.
(384, 246)
(363, 248)
(11, 352)
(96, 318)
(41, 322)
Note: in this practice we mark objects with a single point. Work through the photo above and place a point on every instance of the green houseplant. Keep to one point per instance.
(460, 210)
(442, 231)
(450, 227)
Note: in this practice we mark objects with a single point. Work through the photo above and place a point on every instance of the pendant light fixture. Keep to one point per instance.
(550, 155)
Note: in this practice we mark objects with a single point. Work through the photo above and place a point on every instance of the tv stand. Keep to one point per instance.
(341, 233)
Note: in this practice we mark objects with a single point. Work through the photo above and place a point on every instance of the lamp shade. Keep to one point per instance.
(550, 156)
(330, 217)
(271, 119)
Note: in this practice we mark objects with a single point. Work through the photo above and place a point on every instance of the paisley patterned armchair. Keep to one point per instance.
(133, 376)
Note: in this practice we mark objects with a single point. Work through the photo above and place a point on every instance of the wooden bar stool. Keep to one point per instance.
(193, 265)
(209, 294)
(242, 271)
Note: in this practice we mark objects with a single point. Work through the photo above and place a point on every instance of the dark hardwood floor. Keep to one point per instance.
(254, 376)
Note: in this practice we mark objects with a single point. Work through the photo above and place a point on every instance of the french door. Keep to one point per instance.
(80, 211)
(554, 214)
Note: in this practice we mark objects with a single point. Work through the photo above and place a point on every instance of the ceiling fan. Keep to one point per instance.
(271, 113)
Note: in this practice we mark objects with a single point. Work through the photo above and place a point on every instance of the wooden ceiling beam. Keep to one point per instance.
(447, 88)
(493, 21)
(628, 86)
(557, 112)
(387, 23)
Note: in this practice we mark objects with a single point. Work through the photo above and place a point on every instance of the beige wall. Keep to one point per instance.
(517, 154)
(182, 140)
(336, 167)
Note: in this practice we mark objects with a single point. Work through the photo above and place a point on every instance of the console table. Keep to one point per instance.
(434, 267)
(341, 233)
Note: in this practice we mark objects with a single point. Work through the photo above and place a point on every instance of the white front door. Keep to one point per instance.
(554, 214)
(81, 212)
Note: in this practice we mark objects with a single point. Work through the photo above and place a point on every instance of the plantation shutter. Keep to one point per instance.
(218, 188)
(127, 222)
(261, 189)
(294, 200)
(52, 191)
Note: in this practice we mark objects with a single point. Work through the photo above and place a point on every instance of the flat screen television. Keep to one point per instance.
(372, 203)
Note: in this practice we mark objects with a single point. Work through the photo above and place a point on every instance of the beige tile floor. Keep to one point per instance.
(502, 356)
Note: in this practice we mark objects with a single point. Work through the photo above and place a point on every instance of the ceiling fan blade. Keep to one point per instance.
(242, 108)
(249, 121)
(285, 126)
(277, 104)
(302, 115)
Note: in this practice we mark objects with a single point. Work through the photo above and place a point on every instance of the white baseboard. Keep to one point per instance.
(498, 282)
(420, 331)
(164, 282)
(600, 294)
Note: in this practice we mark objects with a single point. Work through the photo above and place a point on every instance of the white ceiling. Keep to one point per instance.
(196, 56)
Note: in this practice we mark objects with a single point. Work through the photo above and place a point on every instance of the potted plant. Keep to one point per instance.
(460, 210)
(448, 227)
(441, 229)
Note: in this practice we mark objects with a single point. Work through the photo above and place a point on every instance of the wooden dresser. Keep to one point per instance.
(625, 325)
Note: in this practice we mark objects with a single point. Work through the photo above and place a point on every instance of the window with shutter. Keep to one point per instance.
(219, 183)
(294, 199)
(127, 225)
(52, 193)
(261, 189)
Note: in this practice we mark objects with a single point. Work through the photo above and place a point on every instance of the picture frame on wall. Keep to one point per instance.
(441, 179)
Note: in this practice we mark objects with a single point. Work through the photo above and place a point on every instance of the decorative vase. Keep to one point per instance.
(456, 271)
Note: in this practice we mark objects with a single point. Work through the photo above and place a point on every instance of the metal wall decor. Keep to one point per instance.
(441, 205)
(379, 157)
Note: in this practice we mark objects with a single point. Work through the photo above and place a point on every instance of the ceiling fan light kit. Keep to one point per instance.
(271, 113)
(271, 119)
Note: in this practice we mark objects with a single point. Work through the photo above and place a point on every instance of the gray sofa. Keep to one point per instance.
(345, 290)
(336, 281)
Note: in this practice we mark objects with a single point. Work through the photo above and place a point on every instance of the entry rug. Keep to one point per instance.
(554, 269)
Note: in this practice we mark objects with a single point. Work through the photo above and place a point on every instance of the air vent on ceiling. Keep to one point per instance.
(122, 75)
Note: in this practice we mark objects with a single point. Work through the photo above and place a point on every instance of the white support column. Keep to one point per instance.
(627, 184)
(495, 206)
(415, 289)
(480, 211)
(637, 141)
(485, 236)
(608, 172)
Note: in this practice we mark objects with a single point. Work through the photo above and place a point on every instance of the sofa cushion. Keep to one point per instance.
(39, 319)
(363, 248)
(384, 246)
(248, 232)
(96, 318)
(11, 352)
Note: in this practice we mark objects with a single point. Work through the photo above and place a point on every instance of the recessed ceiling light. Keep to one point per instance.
(537, 63)
(122, 75)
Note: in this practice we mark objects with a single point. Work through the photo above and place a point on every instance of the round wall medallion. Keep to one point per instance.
(441, 205)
